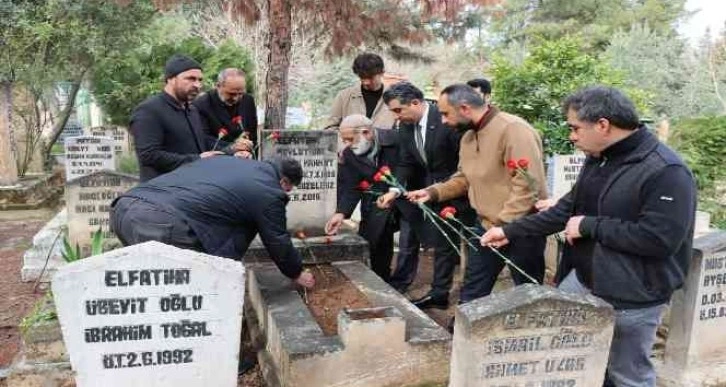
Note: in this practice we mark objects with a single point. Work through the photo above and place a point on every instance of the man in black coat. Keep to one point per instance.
(628, 221)
(217, 206)
(167, 129)
(429, 154)
(229, 107)
(366, 151)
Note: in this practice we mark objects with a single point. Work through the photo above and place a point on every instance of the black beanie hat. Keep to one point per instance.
(178, 64)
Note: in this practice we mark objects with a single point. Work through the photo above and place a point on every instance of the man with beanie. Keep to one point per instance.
(167, 128)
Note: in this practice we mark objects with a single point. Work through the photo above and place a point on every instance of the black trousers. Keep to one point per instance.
(484, 265)
(136, 221)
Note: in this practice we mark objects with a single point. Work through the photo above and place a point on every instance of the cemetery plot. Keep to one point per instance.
(389, 343)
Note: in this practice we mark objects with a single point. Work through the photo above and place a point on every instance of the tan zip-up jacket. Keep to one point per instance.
(350, 101)
(496, 195)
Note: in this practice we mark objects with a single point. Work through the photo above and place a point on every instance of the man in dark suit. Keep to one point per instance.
(196, 207)
(229, 107)
(166, 127)
(366, 151)
(429, 154)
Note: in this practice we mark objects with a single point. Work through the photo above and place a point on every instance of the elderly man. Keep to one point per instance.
(628, 221)
(167, 129)
(364, 98)
(229, 106)
(366, 151)
(490, 139)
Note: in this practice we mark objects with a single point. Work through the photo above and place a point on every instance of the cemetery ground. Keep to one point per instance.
(17, 229)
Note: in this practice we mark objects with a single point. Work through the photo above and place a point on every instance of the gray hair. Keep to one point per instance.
(356, 121)
(459, 94)
(229, 72)
(595, 102)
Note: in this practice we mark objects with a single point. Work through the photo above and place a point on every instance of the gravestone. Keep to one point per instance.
(151, 315)
(696, 347)
(562, 171)
(120, 136)
(88, 199)
(313, 201)
(73, 129)
(531, 336)
(85, 155)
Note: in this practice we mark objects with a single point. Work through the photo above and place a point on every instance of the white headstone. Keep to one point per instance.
(120, 136)
(562, 171)
(88, 199)
(85, 155)
(313, 201)
(531, 336)
(152, 315)
(696, 346)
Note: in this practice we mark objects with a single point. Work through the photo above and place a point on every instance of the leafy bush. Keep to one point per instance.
(701, 142)
(129, 164)
(71, 254)
(551, 71)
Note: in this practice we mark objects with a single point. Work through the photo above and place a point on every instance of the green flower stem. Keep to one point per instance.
(505, 259)
(511, 264)
(456, 248)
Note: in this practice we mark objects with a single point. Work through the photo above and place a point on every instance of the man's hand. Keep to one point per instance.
(243, 144)
(544, 204)
(384, 201)
(418, 196)
(334, 223)
(572, 230)
(210, 154)
(494, 237)
(243, 155)
(305, 279)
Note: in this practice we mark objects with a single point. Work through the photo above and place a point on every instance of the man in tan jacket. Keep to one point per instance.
(497, 193)
(364, 98)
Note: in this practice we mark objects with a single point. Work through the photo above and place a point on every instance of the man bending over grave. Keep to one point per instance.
(216, 206)
(366, 151)
(628, 222)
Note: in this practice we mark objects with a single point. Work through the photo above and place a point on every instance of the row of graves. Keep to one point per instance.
(155, 315)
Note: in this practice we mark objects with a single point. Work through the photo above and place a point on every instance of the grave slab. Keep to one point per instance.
(88, 200)
(151, 315)
(343, 247)
(562, 172)
(531, 336)
(696, 346)
(85, 155)
(314, 200)
(47, 246)
(393, 343)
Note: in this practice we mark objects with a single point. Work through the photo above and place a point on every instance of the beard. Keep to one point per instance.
(461, 127)
(362, 147)
(187, 95)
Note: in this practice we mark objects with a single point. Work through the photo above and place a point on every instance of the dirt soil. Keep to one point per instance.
(17, 229)
(333, 291)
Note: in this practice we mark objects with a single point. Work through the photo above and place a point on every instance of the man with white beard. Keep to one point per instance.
(365, 151)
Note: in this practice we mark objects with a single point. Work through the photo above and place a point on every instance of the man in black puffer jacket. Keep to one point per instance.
(629, 223)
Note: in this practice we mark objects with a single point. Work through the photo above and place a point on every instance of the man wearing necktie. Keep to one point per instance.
(429, 154)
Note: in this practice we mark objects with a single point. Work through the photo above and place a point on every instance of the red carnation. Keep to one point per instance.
(523, 163)
(512, 164)
(275, 135)
(448, 212)
(364, 185)
(222, 132)
(237, 120)
(385, 170)
(378, 177)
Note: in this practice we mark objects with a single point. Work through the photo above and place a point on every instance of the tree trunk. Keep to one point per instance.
(63, 117)
(8, 166)
(280, 43)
